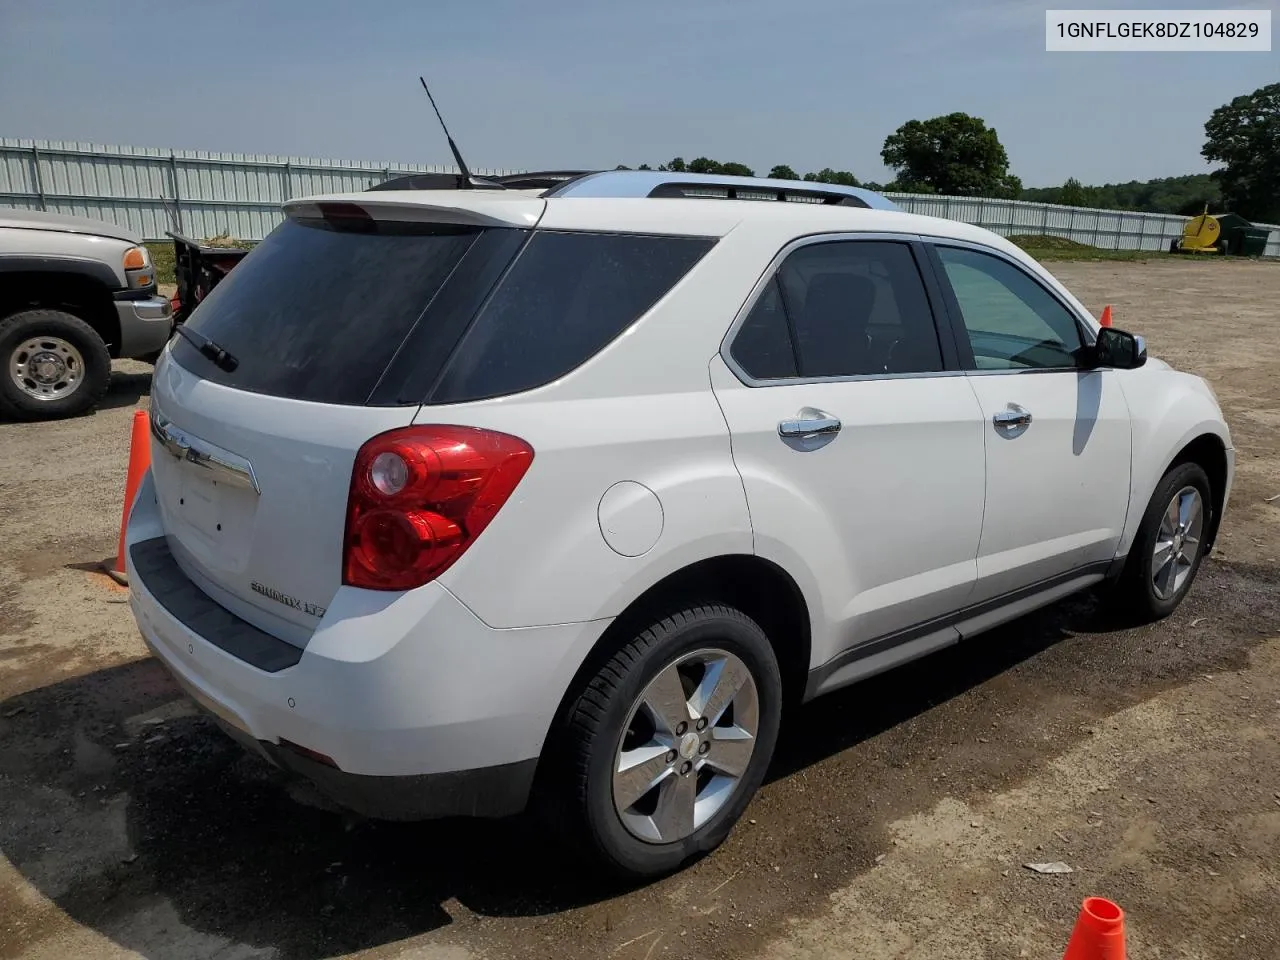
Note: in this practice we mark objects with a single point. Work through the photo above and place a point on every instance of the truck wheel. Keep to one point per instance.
(52, 365)
(670, 739)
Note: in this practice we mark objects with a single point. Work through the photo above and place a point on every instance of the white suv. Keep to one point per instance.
(460, 498)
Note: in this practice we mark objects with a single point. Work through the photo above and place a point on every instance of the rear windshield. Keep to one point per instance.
(315, 313)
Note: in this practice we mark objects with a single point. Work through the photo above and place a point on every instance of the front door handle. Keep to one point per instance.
(1012, 418)
(809, 423)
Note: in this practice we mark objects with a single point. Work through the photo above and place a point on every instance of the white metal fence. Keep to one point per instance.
(203, 194)
(152, 191)
(1109, 229)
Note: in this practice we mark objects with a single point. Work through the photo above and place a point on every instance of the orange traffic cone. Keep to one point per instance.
(1099, 932)
(139, 461)
(1106, 316)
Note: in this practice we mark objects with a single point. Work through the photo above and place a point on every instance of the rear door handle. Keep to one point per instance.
(809, 423)
(1014, 416)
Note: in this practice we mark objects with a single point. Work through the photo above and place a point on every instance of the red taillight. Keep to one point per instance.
(420, 496)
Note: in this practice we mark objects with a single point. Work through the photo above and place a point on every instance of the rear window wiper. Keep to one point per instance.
(208, 348)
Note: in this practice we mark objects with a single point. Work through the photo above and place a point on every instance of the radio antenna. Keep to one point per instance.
(465, 180)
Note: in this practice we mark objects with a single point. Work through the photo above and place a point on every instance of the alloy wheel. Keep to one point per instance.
(1177, 542)
(689, 739)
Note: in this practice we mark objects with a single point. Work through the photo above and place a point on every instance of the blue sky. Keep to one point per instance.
(525, 85)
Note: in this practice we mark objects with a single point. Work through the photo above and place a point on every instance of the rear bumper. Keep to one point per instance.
(483, 792)
(420, 708)
(145, 325)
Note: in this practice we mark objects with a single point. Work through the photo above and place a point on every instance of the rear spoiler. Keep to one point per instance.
(475, 207)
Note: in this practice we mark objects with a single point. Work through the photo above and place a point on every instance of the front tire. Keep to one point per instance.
(1169, 546)
(670, 740)
(52, 365)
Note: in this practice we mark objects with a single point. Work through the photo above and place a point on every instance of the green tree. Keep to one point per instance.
(1179, 195)
(827, 175)
(1008, 187)
(675, 166)
(1245, 136)
(1198, 205)
(954, 154)
(644, 166)
(783, 172)
(1072, 194)
(707, 165)
(897, 186)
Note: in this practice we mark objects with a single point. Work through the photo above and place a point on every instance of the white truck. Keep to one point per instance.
(75, 293)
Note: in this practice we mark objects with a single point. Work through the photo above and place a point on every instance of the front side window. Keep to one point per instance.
(1012, 322)
(840, 309)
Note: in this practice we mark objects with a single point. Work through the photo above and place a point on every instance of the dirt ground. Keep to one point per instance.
(895, 824)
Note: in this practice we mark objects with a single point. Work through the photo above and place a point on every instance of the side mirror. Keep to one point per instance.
(1119, 350)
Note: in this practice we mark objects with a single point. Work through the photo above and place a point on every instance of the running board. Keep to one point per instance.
(892, 650)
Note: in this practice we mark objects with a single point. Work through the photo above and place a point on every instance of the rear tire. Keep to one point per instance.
(52, 365)
(641, 798)
(1169, 546)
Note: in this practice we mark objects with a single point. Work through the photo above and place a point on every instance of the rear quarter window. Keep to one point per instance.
(567, 296)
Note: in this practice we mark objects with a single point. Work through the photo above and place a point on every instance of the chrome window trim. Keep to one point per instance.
(757, 290)
(1087, 335)
(1034, 370)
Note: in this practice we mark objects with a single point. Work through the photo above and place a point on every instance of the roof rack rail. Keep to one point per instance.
(715, 191)
(705, 186)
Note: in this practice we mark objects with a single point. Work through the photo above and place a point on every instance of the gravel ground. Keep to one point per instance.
(895, 824)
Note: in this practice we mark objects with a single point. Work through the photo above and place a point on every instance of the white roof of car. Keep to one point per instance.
(680, 216)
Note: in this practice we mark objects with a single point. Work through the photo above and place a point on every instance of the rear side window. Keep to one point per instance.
(763, 347)
(841, 308)
(316, 313)
(566, 297)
